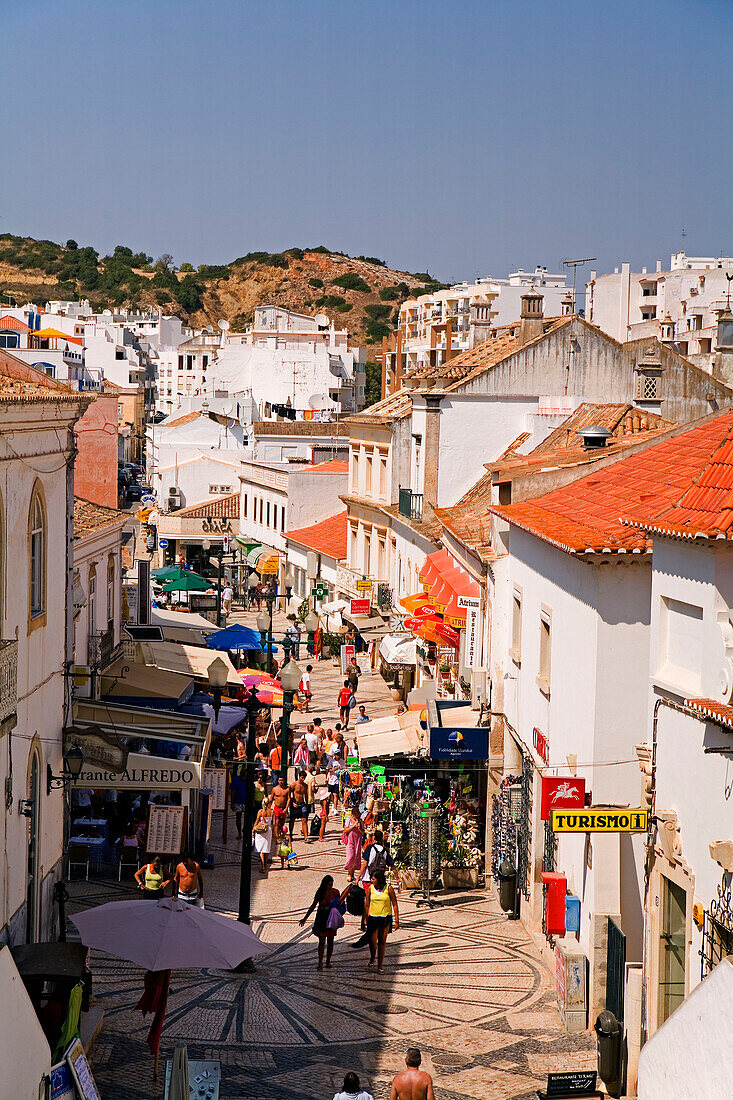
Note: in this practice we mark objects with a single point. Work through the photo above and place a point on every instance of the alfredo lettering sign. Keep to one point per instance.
(600, 821)
(145, 773)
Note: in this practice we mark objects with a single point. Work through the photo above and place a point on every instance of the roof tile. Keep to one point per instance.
(327, 537)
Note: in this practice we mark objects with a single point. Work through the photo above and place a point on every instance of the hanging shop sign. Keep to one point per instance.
(452, 743)
(363, 585)
(269, 565)
(600, 820)
(360, 607)
(564, 792)
(471, 604)
(144, 773)
(541, 745)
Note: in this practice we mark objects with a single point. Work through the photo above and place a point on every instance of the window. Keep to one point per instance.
(515, 650)
(119, 353)
(38, 555)
(92, 605)
(204, 362)
(262, 510)
(369, 464)
(355, 474)
(180, 362)
(110, 591)
(681, 642)
(543, 679)
(648, 386)
(244, 505)
(672, 949)
(214, 489)
(282, 518)
(268, 513)
(189, 362)
(9, 340)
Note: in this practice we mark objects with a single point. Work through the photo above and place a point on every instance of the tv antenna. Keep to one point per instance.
(729, 277)
(575, 264)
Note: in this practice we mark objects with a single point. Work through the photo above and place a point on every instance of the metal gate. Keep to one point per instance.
(615, 970)
(511, 824)
(717, 931)
(524, 835)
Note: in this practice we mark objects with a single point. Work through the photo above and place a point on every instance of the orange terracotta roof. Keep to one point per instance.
(394, 407)
(327, 537)
(706, 508)
(468, 519)
(333, 466)
(602, 511)
(620, 419)
(714, 711)
(89, 517)
(217, 508)
(20, 382)
(12, 324)
(187, 418)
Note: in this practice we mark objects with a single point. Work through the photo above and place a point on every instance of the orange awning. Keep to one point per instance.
(447, 581)
(416, 600)
(438, 632)
(55, 334)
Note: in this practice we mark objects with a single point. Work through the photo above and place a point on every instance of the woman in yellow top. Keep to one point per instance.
(381, 903)
(152, 878)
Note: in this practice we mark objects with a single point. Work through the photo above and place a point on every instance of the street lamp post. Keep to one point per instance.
(264, 619)
(217, 673)
(290, 676)
(219, 555)
(245, 876)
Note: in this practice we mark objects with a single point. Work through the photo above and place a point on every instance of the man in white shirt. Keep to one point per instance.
(226, 598)
(311, 743)
(305, 688)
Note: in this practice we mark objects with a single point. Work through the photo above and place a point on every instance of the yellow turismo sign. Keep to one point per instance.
(600, 820)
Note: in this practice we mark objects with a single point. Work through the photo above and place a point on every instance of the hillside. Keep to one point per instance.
(362, 293)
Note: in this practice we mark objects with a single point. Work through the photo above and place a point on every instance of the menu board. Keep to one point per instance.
(81, 1071)
(216, 780)
(62, 1083)
(166, 830)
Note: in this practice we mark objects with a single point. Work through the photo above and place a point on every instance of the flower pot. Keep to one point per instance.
(409, 878)
(460, 878)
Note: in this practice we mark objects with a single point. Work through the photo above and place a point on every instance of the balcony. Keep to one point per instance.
(8, 673)
(102, 652)
(410, 504)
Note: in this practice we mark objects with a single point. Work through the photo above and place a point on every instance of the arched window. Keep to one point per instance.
(37, 555)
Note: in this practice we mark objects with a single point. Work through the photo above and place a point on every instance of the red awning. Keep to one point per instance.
(446, 582)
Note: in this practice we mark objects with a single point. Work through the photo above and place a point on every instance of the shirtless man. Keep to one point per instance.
(299, 806)
(413, 1083)
(189, 885)
(281, 800)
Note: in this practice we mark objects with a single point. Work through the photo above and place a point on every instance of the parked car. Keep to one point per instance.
(134, 492)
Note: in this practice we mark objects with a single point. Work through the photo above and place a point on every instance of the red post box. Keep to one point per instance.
(557, 887)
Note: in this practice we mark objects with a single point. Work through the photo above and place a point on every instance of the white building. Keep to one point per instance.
(36, 533)
(680, 304)
(327, 541)
(434, 327)
(282, 496)
(97, 587)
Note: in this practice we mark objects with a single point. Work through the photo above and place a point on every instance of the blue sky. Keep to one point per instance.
(460, 137)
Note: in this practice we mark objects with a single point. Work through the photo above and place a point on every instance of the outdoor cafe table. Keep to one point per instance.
(96, 845)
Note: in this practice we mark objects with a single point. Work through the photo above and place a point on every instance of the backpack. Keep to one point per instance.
(315, 826)
(377, 861)
(355, 900)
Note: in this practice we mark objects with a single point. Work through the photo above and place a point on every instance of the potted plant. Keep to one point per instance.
(460, 858)
(444, 669)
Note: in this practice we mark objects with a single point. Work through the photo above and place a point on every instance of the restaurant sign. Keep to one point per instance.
(600, 820)
(144, 773)
(101, 749)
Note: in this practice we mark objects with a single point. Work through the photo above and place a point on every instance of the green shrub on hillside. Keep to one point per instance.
(351, 281)
(378, 312)
(376, 330)
(317, 283)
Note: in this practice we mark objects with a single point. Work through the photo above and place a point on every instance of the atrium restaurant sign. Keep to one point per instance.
(157, 773)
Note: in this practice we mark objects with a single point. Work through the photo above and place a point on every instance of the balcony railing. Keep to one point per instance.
(102, 652)
(8, 681)
(410, 504)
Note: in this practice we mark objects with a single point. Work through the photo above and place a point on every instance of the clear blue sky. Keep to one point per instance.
(465, 136)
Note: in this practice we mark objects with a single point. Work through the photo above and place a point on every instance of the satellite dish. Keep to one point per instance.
(227, 410)
(322, 320)
(223, 325)
(320, 402)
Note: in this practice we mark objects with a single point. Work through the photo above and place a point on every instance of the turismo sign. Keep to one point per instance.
(600, 820)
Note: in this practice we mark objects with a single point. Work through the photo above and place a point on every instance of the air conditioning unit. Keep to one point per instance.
(175, 498)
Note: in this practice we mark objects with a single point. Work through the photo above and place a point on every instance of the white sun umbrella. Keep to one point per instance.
(167, 935)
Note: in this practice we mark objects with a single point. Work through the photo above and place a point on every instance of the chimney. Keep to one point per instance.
(594, 437)
(666, 330)
(568, 306)
(531, 317)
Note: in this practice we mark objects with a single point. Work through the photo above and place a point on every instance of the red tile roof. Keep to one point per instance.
(12, 324)
(327, 537)
(620, 419)
(187, 418)
(19, 381)
(609, 511)
(217, 508)
(714, 711)
(333, 466)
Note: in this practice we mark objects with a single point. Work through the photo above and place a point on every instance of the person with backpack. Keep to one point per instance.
(375, 858)
(344, 701)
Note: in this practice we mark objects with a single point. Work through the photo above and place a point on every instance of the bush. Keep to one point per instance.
(241, 320)
(403, 289)
(345, 307)
(351, 281)
(389, 293)
(71, 245)
(186, 267)
(213, 271)
(376, 330)
(321, 250)
(378, 312)
(372, 260)
(296, 253)
(190, 294)
(373, 387)
(317, 283)
(332, 301)
(162, 297)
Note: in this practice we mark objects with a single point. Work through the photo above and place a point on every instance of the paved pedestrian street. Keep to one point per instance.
(461, 982)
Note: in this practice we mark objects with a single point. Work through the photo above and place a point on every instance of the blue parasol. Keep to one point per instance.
(235, 636)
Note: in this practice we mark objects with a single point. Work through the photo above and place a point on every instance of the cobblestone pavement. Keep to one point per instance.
(460, 981)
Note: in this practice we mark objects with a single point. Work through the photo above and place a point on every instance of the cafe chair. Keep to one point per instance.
(128, 857)
(79, 857)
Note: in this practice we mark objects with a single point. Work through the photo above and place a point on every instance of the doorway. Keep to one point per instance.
(672, 948)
